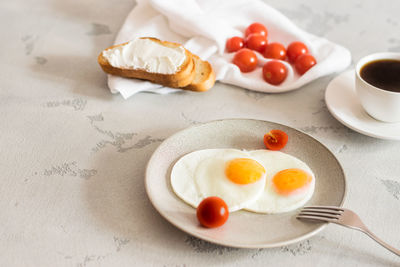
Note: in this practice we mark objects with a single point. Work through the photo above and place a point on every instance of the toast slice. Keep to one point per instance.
(181, 78)
(204, 78)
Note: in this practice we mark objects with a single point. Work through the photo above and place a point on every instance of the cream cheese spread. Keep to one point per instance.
(147, 55)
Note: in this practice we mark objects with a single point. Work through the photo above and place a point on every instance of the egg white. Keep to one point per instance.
(270, 201)
(201, 174)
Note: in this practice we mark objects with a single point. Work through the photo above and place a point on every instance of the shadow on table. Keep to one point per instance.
(81, 74)
(117, 203)
(117, 200)
(361, 256)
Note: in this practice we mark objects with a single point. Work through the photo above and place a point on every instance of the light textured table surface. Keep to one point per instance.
(73, 155)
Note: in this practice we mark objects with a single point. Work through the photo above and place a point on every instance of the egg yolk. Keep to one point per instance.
(244, 171)
(289, 180)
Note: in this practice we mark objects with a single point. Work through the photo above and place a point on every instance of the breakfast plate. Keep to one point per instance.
(343, 104)
(243, 229)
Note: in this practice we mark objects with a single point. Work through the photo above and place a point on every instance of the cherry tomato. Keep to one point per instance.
(275, 139)
(295, 50)
(256, 41)
(274, 72)
(234, 44)
(245, 59)
(212, 212)
(256, 28)
(275, 50)
(304, 63)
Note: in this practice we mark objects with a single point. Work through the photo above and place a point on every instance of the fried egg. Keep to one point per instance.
(231, 174)
(290, 183)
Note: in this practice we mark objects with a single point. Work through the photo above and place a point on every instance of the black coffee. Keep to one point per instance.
(384, 74)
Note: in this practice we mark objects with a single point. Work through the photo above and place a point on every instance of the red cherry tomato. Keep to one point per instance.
(256, 28)
(234, 44)
(275, 139)
(256, 41)
(275, 50)
(295, 50)
(304, 63)
(212, 212)
(274, 72)
(245, 59)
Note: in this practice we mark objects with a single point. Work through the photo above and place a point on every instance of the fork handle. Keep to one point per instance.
(381, 242)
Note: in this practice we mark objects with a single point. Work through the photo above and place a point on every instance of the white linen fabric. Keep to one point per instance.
(203, 28)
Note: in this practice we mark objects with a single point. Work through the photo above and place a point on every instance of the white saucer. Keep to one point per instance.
(343, 104)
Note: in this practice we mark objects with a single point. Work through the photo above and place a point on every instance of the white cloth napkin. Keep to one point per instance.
(203, 28)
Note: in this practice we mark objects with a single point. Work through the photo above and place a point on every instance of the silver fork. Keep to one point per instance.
(343, 217)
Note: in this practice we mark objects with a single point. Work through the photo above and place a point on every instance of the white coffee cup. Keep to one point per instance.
(381, 104)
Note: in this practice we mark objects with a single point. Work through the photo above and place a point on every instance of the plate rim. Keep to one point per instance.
(337, 117)
(241, 245)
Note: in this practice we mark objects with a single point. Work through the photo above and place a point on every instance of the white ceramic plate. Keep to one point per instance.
(243, 229)
(343, 104)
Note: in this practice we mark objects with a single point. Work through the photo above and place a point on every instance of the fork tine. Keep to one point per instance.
(314, 218)
(325, 207)
(319, 210)
(319, 214)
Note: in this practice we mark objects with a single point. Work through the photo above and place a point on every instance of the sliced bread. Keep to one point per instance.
(181, 78)
(193, 74)
(204, 78)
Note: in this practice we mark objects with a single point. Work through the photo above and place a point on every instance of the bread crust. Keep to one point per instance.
(206, 74)
(183, 77)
